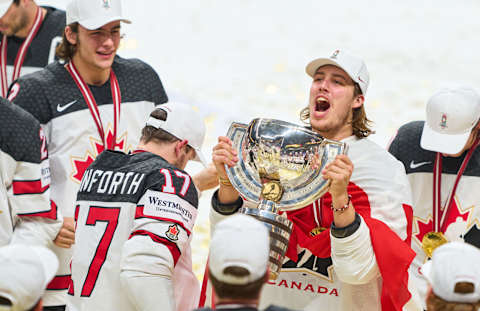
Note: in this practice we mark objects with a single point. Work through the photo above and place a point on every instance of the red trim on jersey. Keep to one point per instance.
(28, 187)
(59, 282)
(139, 214)
(393, 255)
(409, 215)
(174, 250)
(51, 214)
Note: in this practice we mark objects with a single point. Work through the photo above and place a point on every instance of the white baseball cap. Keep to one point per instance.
(353, 65)
(451, 115)
(240, 241)
(452, 263)
(93, 14)
(4, 5)
(25, 272)
(183, 122)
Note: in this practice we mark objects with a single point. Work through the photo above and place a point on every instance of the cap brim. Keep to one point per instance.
(200, 158)
(443, 143)
(95, 23)
(319, 62)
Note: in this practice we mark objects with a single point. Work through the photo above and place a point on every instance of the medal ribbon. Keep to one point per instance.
(92, 104)
(440, 213)
(22, 52)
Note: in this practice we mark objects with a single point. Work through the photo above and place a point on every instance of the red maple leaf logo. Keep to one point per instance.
(427, 226)
(80, 164)
(172, 232)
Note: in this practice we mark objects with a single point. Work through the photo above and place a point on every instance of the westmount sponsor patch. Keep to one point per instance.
(165, 205)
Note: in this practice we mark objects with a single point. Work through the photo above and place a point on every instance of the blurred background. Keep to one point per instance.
(237, 60)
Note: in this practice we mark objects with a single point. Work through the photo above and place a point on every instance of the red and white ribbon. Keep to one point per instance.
(441, 214)
(92, 104)
(22, 52)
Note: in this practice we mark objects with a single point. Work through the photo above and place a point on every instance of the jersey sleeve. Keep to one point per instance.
(27, 92)
(26, 175)
(163, 224)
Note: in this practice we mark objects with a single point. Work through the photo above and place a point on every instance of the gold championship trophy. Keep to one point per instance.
(279, 169)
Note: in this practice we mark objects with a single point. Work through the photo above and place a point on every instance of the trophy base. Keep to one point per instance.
(280, 229)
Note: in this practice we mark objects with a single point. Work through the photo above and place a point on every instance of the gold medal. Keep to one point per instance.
(316, 231)
(431, 241)
(272, 191)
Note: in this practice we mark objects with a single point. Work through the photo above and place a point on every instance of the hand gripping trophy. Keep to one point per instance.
(279, 169)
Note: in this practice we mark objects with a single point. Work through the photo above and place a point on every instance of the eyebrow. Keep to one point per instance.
(335, 75)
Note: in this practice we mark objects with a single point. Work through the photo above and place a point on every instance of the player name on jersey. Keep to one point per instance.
(111, 183)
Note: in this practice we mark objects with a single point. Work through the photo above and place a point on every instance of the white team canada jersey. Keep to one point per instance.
(52, 96)
(379, 190)
(134, 213)
(463, 223)
(24, 179)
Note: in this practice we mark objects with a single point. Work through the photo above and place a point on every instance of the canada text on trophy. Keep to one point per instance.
(279, 169)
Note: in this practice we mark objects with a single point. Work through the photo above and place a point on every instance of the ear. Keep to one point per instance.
(71, 35)
(358, 101)
(179, 145)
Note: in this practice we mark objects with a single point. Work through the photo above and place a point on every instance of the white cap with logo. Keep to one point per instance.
(185, 123)
(451, 115)
(240, 241)
(25, 272)
(452, 263)
(93, 14)
(4, 5)
(353, 65)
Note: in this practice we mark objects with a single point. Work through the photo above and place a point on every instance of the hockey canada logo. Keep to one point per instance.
(172, 232)
(443, 122)
(106, 4)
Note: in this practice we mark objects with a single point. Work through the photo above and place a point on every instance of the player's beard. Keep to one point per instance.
(181, 161)
(20, 25)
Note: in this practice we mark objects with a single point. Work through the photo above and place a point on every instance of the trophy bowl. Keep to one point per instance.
(279, 169)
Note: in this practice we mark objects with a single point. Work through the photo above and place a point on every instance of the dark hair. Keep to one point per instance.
(17, 2)
(65, 50)
(435, 303)
(360, 123)
(150, 133)
(230, 291)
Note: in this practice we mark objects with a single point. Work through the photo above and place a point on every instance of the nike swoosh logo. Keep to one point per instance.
(414, 165)
(64, 107)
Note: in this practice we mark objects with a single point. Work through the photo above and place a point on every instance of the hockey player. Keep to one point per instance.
(30, 36)
(134, 216)
(26, 215)
(95, 101)
(349, 250)
(441, 158)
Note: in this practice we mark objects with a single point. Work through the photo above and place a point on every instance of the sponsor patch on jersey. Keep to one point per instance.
(169, 206)
(45, 174)
(172, 232)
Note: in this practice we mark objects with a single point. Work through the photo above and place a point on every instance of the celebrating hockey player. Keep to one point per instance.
(349, 250)
(441, 157)
(26, 214)
(135, 215)
(30, 36)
